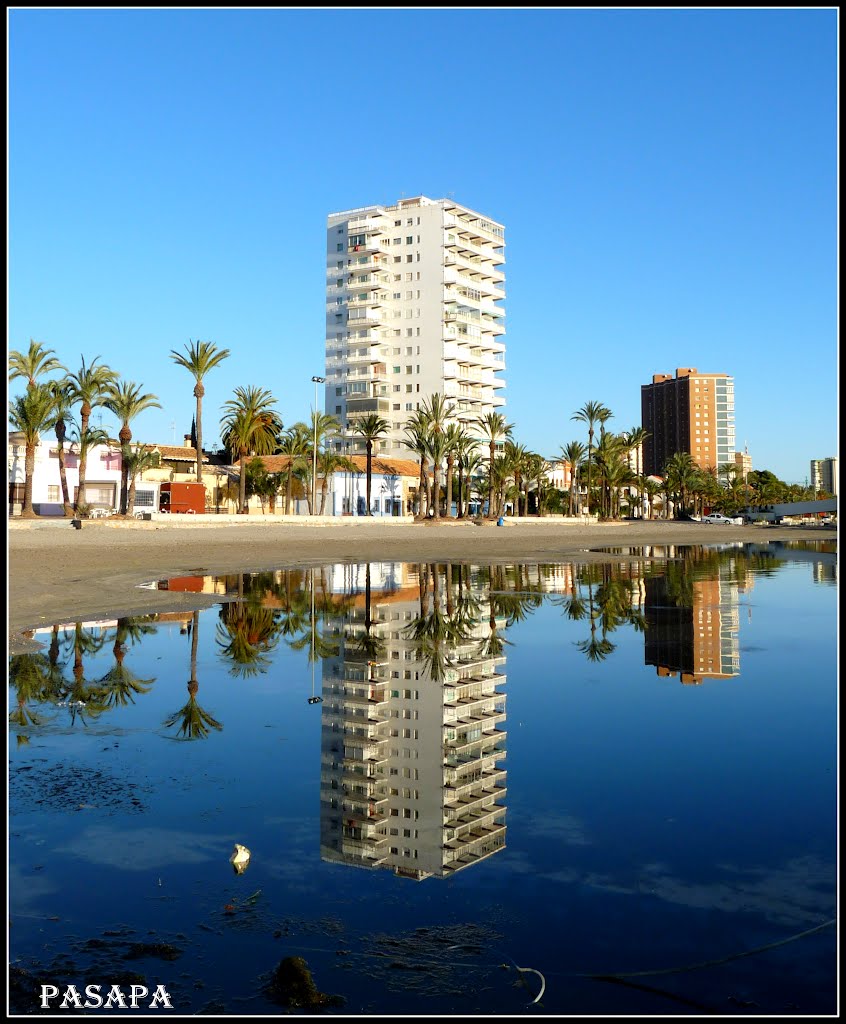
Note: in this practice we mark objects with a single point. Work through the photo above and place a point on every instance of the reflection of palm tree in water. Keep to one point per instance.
(434, 632)
(369, 645)
(247, 631)
(84, 696)
(29, 675)
(194, 721)
(120, 684)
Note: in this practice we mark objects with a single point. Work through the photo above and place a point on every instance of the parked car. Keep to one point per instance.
(717, 517)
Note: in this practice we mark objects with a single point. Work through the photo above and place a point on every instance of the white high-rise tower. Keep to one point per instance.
(413, 295)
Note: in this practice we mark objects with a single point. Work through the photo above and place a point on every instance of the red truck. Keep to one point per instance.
(182, 498)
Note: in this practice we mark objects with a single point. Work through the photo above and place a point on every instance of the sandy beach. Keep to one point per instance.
(57, 573)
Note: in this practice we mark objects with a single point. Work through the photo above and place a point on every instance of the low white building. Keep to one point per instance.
(102, 476)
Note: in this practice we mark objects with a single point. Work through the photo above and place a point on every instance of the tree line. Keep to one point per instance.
(463, 464)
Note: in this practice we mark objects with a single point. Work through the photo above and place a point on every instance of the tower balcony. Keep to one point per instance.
(489, 779)
(362, 406)
(371, 318)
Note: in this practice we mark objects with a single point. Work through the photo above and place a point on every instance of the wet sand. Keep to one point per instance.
(57, 573)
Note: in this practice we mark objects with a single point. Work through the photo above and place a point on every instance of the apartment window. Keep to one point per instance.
(397, 241)
(398, 259)
(53, 492)
(340, 264)
(409, 295)
(397, 277)
(397, 295)
(397, 409)
(409, 277)
(408, 350)
(409, 239)
(410, 221)
(408, 388)
(397, 223)
(408, 369)
(408, 314)
(397, 369)
(410, 258)
(408, 333)
(340, 247)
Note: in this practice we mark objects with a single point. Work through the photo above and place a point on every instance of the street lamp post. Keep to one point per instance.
(317, 380)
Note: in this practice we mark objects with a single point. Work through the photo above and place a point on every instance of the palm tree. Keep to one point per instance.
(83, 443)
(200, 357)
(602, 418)
(32, 414)
(294, 445)
(680, 475)
(371, 427)
(417, 439)
(89, 386)
(140, 458)
(126, 400)
(635, 439)
(62, 403)
(590, 413)
(33, 364)
(573, 454)
(329, 464)
(436, 410)
(536, 467)
(650, 489)
(250, 424)
(465, 452)
(493, 428)
(516, 456)
(322, 428)
(473, 464)
(454, 437)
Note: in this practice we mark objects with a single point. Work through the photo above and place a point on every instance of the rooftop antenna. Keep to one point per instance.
(173, 432)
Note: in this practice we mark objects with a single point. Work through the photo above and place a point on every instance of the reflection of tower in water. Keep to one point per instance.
(695, 634)
(412, 744)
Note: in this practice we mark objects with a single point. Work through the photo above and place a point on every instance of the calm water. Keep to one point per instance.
(443, 773)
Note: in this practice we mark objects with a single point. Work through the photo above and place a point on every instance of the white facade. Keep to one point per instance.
(102, 476)
(824, 475)
(412, 309)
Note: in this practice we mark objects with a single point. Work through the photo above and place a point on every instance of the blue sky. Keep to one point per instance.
(666, 178)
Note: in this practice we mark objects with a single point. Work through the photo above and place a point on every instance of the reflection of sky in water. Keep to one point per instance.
(649, 820)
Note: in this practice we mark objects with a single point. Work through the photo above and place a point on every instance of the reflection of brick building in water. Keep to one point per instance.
(411, 746)
(696, 642)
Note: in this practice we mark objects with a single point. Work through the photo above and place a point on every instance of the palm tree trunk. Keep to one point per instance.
(288, 484)
(242, 483)
(67, 510)
(449, 464)
(27, 511)
(460, 502)
(199, 426)
(369, 473)
(491, 480)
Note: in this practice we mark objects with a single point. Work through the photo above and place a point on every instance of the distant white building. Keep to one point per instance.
(824, 475)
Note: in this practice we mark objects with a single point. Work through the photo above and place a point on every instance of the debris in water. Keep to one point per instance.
(240, 859)
(292, 985)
